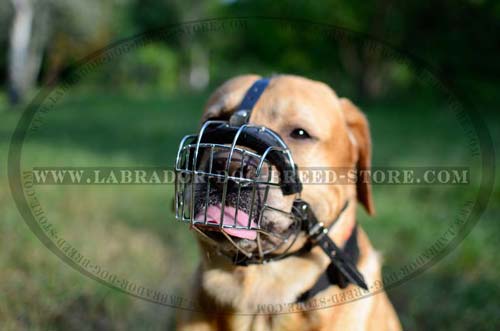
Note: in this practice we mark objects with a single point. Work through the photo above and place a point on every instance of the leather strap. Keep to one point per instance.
(260, 142)
(333, 275)
(342, 269)
(253, 94)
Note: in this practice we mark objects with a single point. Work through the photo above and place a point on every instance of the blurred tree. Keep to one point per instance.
(68, 29)
(148, 15)
(196, 50)
(301, 50)
(27, 39)
(6, 17)
(458, 38)
(77, 29)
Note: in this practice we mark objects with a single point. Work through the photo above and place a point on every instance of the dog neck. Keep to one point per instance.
(341, 230)
(245, 287)
(332, 274)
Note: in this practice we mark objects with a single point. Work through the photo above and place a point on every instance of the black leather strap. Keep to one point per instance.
(342, 261)
(333, 275)
(259, 141)
(253, 94)
(342, 269)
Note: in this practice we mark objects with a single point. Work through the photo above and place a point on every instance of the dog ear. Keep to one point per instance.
(358, 126)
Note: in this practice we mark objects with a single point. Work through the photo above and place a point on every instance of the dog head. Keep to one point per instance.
(321, 130)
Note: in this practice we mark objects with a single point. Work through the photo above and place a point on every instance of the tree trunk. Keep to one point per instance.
(363, 61)
(26, 48)
(195, 64)
(199, 73)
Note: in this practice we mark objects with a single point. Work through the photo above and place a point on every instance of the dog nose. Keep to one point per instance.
(238, 168)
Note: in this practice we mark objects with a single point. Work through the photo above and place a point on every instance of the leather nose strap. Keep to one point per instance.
(253, 94)
(242, 114)
(260, 142)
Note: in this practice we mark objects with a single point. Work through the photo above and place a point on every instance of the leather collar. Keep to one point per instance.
(333, 275)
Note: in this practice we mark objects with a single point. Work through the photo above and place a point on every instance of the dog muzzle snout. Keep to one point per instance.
(225, 176)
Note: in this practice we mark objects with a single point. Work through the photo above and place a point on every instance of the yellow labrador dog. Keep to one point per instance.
(321, 130)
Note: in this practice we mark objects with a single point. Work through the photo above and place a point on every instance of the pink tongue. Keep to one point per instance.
(213, 216)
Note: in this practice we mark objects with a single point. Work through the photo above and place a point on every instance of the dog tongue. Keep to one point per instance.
(213, 216)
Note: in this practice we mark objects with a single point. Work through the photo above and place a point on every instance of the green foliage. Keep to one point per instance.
(457, 39)
(150, 14)
(154, 67)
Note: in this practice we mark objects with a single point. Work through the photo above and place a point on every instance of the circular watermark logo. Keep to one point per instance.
(66, 194)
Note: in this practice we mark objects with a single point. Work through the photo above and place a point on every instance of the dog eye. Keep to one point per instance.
(299, 134)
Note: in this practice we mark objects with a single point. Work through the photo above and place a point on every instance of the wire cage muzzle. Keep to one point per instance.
(229, 171)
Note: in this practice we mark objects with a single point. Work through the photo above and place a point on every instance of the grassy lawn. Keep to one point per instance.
(130, 229)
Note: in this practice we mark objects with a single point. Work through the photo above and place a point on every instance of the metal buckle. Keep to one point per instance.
(239, 118)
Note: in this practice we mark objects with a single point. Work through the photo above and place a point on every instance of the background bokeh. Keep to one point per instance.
(133, 110)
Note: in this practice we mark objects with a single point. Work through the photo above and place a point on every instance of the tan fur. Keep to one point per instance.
(343, 140)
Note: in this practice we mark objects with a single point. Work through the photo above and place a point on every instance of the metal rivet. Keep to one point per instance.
(238, 118)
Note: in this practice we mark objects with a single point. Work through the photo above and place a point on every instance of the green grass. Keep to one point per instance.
(129, 229)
